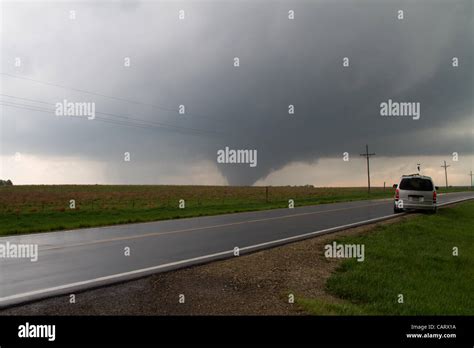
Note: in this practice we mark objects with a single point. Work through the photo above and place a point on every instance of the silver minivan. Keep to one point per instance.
(415, 192)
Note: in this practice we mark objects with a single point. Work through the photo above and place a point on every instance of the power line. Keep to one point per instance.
(160, 124)
(367, 156)
(126, 100)
(49, 111)
(118, 115)
(143, 124)
(445, 172)
(85, 91)
(27, 99)
(99, 119)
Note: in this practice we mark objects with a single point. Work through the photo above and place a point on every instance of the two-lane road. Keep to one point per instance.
(69, 261)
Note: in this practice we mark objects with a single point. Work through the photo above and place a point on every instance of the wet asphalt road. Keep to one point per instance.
(74, 260)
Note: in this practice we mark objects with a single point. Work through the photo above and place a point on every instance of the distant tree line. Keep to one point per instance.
(6, 182)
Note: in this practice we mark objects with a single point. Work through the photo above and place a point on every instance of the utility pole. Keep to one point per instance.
(446, 172)
(470, 174)
(367, 156)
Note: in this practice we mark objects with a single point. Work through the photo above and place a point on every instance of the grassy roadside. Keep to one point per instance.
(413, 258)
(40, 208)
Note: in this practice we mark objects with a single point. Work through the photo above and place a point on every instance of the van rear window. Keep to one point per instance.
(416, 184)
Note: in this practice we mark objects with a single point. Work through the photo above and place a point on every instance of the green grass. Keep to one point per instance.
(39, 208)
(413, 258)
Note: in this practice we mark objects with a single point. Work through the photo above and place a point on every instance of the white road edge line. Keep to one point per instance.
(204, 257)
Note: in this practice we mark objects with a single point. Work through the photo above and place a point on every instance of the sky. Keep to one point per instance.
(48, 57)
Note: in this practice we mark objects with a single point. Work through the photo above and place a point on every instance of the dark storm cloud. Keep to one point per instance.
(282, 62)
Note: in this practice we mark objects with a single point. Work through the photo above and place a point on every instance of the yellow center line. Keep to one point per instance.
(154, 234)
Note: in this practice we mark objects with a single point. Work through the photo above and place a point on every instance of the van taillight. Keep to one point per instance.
(397, 194)
(434, 196)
